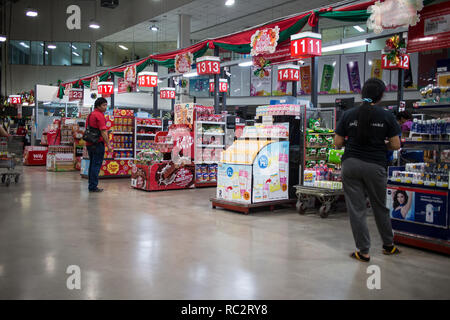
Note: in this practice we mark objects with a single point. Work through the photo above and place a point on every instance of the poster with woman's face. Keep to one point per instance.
(401, 204)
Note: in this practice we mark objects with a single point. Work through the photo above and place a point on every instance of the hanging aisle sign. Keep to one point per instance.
(105, 88)
(403, 63)
(289, 72)
(167, 93)
(208, 65)
(15, 99)
(76, 94)
(148, 79)
(306, 45)
(223, 85)
(211, 85)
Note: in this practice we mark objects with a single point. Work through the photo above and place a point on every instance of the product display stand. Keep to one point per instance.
(418, 193)
(254, 171)
(209, 139)
(145, 133)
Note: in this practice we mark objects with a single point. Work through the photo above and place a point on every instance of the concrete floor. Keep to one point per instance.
(132, 244)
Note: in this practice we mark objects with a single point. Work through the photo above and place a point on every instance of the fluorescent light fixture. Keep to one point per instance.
(229, 3)
(75, 54)
(246, 64)
(23, 44)
(74, 47)
(123, 47)
(347, 45)
(31, 13)
(190, 74)
(47, 103)
(427, 39)
(51, 46)
(154, 28)
(46, 52)
(359, 28)
(2, 38)
(94, 25)
(160, 81)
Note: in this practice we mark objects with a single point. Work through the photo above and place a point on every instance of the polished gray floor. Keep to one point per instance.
(132, 244)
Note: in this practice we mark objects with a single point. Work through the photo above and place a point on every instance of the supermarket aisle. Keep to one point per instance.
(135, 245)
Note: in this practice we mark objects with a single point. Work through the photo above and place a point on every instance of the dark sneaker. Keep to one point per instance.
(96, 190)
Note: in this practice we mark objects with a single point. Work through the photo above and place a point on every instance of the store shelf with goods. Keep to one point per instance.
(221, 146)
(123, 149)
(211, 122)
(146, 129)
(146, 134)
(212, 133)
(124, 133)
(426, 142)
(148, 126)
(412, 185)
(445, 108)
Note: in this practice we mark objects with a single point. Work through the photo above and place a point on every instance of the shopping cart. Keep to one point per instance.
(9, 163)
(327, 198)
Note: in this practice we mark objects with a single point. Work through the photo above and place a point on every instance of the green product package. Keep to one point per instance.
(335, 156)
(327, 78)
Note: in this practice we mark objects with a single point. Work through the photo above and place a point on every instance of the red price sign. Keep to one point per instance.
(76, 94)
(167, 93)
(306, 44)
(211, 86)
(15, 99)
(105, 88)
(289, 73)
(208, 65)
(148, 79)
(223, 85)
(387, 64)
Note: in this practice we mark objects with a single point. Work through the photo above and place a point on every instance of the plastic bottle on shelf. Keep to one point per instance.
(414, 126)
(433, 127)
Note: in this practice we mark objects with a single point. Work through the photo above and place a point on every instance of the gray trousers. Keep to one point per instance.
(359, 179)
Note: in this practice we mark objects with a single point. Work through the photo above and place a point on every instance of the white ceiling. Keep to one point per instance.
(211, 18)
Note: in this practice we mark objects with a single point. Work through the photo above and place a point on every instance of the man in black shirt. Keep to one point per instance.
(364, 166)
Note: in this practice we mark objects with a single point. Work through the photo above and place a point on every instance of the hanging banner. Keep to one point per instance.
(129, 75)
(433, 30)
(392, 14)
(76, 94)
(67, 88)
(124, 86)
(94, 83)
(264, 41)
(183, 62)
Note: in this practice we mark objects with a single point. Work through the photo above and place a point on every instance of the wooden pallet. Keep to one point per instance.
(433, 244)
(246, 207)
(205, 184)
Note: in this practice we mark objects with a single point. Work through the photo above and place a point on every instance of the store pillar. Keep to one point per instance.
(172, 101)
(401, 80)
(224, 94)
(216, 85)
(112, 96)
(314, 73)
(294, 85)
(155, 92)
(184, 31)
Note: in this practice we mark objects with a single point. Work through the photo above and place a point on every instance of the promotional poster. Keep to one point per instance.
(234, 182)
(418, 205)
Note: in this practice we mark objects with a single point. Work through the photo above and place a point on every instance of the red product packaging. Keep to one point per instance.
(35, 156)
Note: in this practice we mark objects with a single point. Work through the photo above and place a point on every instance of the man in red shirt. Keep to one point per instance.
(97, 151)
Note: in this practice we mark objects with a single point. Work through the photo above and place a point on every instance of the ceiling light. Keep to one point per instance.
(51, 46)
(75, 54)
(246, 64)
(74, 47)
(346, 45)
(154, 28)
(2, 38)
(229, 3)
(31, 13)
(123, 47)
(190, 74)
(46, 52)
(359, 28)
(23, 44)
(94, 25)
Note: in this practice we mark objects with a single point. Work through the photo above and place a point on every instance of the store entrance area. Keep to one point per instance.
(173, 245)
